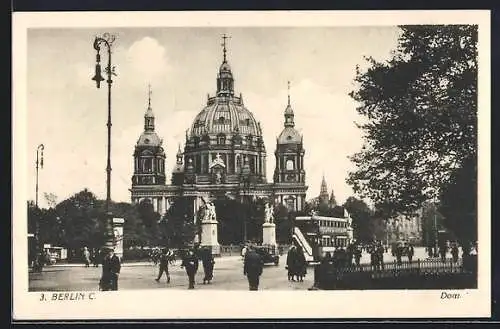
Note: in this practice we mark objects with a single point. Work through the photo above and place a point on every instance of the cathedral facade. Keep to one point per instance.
(224, 157)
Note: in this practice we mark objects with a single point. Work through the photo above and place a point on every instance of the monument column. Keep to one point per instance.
(209, 236)
(269, 229)
(118, 236)
(155, 204)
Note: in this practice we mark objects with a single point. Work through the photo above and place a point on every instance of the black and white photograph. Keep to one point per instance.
(302, 163)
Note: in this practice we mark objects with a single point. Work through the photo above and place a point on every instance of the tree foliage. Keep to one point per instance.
(177, 228)
(431, 222)
(80, 221)
(362, 219)
(459, 202)
(420, 111)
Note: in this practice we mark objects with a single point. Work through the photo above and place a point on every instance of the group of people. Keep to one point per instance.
(190, 262)
(442, 251)
(296, 264)
(401, 249)
(94, 257)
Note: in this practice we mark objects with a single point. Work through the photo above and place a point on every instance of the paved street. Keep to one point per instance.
(228, 275)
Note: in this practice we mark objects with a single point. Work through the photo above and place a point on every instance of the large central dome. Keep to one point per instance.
(225, 115)
(226, 134)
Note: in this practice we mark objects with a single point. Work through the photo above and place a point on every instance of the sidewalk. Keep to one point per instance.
(144, 263)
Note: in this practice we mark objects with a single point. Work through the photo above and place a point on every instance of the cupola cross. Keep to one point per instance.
(288, 92)
(223, 44)
(149, 95)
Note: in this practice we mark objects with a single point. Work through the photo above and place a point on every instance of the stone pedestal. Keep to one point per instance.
(350, 235)
(118, 236)
(209, 236)
(269, 234)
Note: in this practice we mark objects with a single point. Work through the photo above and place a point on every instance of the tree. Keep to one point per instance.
(178, 229)
(284, 223)
(420, 111)
(459, 202)
(361, 219)
(81, 220)
(51, 199)
(431, 222)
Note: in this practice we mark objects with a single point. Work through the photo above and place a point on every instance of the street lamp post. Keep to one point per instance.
(315, 250)
(39, 165)
(436, 238)
(106, 40)
(39, 161)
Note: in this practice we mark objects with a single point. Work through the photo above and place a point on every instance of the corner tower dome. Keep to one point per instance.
(149, 137)
(289, 135)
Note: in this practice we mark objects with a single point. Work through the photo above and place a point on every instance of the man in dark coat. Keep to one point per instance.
(411, 252)
(110, 270)
(164, 260)
(301, 264)
(208, 262)
(190, 263)
(252, 268)
(290, 263)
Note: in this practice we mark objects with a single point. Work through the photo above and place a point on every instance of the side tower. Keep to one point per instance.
(289, 171)
(149, 156)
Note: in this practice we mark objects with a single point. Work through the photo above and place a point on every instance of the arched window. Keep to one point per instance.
(238, 163)
(221, 139)
(289, 164)
(147, 165)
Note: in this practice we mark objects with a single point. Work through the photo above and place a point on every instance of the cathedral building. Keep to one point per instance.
(223, 160)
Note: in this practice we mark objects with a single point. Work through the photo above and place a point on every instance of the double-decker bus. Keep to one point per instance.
(333, 232)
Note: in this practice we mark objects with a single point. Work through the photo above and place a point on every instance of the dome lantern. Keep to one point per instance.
(149, 118)
(225, 81)
(289, 112)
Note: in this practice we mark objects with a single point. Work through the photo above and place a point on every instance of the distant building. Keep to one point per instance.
(405, 229)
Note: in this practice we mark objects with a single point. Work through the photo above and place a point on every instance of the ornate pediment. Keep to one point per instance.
(217, 163)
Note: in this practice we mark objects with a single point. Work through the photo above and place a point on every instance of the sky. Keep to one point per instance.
(68, 114)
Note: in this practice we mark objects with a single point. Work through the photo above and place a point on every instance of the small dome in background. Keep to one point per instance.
(290, 135)
(149, 138)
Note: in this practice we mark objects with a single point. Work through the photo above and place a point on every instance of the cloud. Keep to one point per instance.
(147, 59)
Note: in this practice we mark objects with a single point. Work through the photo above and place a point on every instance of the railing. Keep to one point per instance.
(300, 238)
(426, 266)
(429, 274)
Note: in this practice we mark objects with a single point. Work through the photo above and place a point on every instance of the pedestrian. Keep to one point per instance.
(454, 252)
(164, 261)
(252, 268)
(321, 278)
(357, 255)
(301, 264)
(380, 251)
(208, 265)
(86, 256)
(244, 251)
(442, 252)
(399, 254)
(290, 263)
(411, 252)
(190, 263)
(110, 270)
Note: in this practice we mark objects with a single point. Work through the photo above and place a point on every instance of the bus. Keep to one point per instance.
(333, 232)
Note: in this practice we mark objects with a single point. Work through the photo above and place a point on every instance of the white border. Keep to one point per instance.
(243, 304)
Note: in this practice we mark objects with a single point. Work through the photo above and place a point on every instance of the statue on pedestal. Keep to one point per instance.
(209, 213)
(268, 213)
